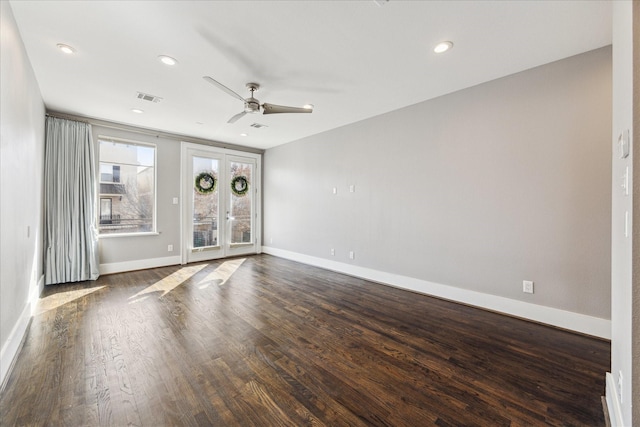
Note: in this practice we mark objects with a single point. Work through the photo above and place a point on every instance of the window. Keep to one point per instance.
(109, 173)
(127, 187)
(106, 217)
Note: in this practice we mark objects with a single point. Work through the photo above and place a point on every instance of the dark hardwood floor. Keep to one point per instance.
(262, 341)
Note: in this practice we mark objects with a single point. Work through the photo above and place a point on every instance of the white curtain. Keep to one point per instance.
(70, 222)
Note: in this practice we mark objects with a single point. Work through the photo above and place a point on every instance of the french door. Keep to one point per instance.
(221, 202)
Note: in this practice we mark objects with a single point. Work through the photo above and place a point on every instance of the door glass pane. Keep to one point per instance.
(205, 202)
(241, 214)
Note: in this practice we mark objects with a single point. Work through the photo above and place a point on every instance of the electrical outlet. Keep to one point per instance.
(170, 248)
(175, 200)
(527, 286)
(335, 190)
(352, 188)
(333, 251)
(625, 182)
(352, 255)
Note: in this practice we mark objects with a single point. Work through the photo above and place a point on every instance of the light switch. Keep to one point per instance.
(626, 224)
(623, 144)
(175, 200)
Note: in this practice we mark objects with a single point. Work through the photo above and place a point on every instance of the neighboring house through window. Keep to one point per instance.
(127, 186)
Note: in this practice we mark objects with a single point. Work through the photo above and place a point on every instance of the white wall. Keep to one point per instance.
(635, 338)
(477, 190)
(22, 116)
(619, 397)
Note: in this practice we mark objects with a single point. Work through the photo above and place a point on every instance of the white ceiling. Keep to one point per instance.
(351, 59)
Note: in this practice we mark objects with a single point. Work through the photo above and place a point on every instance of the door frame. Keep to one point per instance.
(186, 185)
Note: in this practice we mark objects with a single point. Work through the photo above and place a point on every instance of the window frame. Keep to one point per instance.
(154, 227)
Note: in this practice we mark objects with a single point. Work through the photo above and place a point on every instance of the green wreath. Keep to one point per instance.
(239, 185)
(205, 182)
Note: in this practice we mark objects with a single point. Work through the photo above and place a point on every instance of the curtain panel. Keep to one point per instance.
(70, 229)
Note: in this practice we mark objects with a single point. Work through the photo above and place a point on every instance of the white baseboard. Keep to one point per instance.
(613, 403)
(577, 322)
(35, 293)
(142, 264)
(11, 347)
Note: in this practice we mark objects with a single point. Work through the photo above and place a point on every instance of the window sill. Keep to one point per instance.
(110, 235)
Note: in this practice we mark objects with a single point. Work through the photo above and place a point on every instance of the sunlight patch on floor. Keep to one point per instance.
(59, 299)
(169, 283)
(221, 274)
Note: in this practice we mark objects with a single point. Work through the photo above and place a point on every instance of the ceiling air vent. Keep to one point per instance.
(258, 126)
(147, 97)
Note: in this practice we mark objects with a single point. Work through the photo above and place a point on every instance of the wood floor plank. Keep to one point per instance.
(262, 341)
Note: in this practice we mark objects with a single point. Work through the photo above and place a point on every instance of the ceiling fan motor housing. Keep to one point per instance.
(251, 105)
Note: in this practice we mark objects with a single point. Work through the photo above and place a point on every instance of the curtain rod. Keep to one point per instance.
(151, 132)
(55, 116)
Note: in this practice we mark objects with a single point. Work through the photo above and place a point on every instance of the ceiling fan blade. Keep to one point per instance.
(223, 87)
(275, 109)
(236, 117)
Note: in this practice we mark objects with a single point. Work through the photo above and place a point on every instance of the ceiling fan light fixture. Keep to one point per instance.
(66, 48)
(443, 47)
(167, 60)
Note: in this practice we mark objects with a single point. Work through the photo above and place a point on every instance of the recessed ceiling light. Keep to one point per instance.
(308, 106)
(167, 60)
(66, 48)
(443, 47)
(137, 110)
(244, 134)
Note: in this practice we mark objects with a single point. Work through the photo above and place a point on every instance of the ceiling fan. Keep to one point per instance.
(252, 105)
